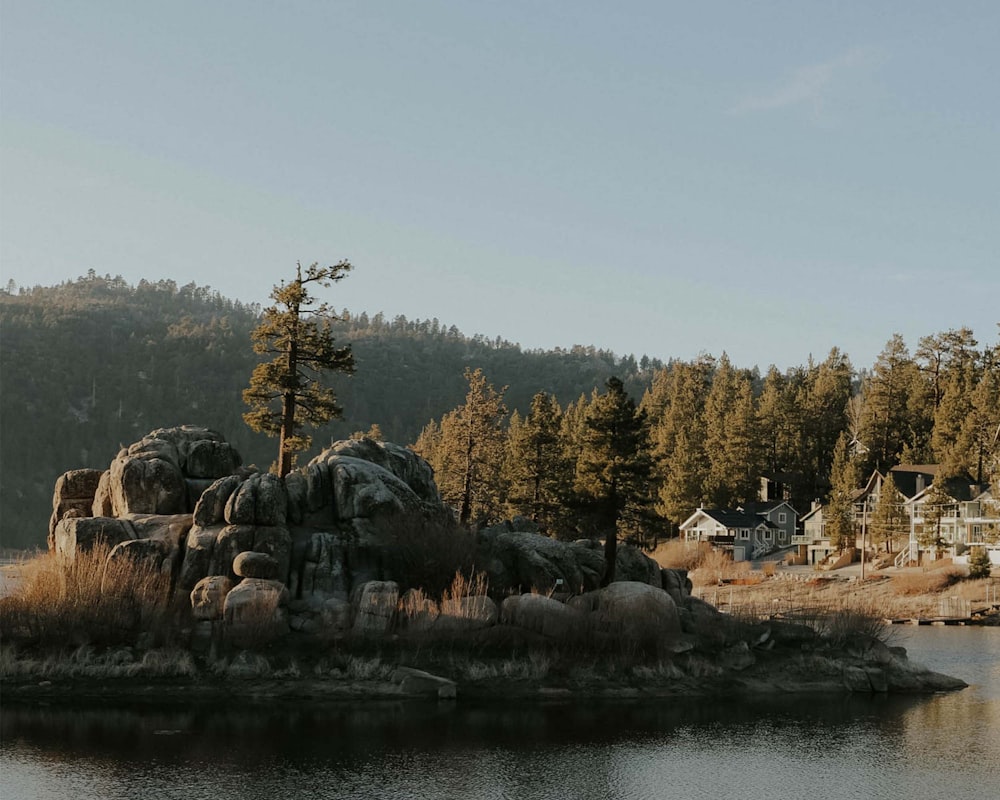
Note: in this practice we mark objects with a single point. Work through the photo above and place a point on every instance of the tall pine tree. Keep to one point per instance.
(612, 471)
(296, 331)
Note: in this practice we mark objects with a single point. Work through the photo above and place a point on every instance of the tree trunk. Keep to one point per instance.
(287, 431)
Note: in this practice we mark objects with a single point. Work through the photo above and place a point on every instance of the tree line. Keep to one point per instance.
(94, 363)
(705, 432)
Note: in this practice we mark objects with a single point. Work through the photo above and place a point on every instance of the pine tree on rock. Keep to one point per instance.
(286, 394)
(612, 471)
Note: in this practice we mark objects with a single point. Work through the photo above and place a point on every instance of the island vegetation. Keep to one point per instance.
(486, 556)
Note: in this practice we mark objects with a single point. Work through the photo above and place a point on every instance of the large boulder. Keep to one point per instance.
(633, 612)
(255, 565)
(208, 597)
(211, 506)
(79, 534)
(165, 471)
(375, 607)
(73, 496)
(544, 615)
(255, 610)
(402, 462)
(260, 500)
(157, 556)
(516, 560)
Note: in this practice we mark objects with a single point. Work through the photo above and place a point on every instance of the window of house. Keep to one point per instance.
(782, 517)
(767, 534)
(744, 534)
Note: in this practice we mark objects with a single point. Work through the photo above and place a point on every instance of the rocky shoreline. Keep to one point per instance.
(349, 580)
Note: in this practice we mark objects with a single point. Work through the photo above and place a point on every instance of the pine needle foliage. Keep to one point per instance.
(286, 393)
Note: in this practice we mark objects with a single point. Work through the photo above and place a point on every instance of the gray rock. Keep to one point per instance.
(255, 604)
(208, 597)
(255, 565)
(634, 611)
(541, 614)
(276, 542)
(159, 556)
(73, 496)
(402, 462)
(146, 485)
(375, 607)
(677, 584)
(260, 500)
(417, 682)
(522, 560)
(232, 540)
(208, 458)
(364, 489)
(103, 504)
(631, 565)
(856, 679)
(211, 506)
(737, 657)
(172, 528)
(198, 555)
(81, 534)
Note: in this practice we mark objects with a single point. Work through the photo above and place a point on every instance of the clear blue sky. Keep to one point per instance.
(767, 178)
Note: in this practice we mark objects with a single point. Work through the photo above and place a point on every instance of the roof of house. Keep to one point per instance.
(734, 518)
(765, 508)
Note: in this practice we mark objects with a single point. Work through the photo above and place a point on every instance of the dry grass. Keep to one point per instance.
(716, 567)
(89, 600)
(925, 582)
(678, 554)
(86, 662)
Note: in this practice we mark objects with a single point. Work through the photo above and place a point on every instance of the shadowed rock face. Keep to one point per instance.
(179, 501)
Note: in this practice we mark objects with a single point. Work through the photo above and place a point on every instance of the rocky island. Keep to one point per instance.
(350, 578)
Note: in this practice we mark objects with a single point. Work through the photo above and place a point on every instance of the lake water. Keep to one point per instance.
(946, 746)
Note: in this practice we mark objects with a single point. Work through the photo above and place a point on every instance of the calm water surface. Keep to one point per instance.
(947, 746)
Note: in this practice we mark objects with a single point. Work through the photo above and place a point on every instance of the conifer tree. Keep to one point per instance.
(538, 474)
(286, 393)
(838, 516)
(937, 503)
(889, 519)
(612, 471)
(730, 444)
(467, 451)
(677, 438)
(894, 406)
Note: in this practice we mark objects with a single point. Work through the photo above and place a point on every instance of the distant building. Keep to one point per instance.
(747, 533)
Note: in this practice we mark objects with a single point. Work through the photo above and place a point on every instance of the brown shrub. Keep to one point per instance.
(679, 554)
(915, 583)
(426, 554)
(88, 600)
(717, 566)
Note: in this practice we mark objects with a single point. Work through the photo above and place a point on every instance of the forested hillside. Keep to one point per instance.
(95, 363)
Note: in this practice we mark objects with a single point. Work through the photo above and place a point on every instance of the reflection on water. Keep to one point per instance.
(843, 747)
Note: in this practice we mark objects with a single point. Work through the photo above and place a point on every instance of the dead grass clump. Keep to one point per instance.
(915, 583)
(679, 554)
(859, 620)
(717, 566)
(88, 600)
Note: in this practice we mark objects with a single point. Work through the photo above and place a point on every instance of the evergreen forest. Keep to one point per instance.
(581, 440)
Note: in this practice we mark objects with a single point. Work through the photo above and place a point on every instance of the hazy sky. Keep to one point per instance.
(767, 178)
